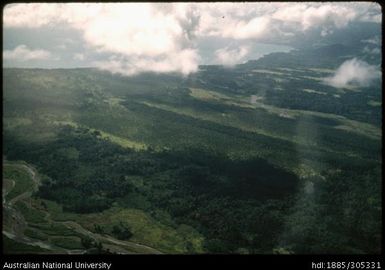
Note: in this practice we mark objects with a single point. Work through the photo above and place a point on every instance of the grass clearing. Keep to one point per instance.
(146, 230)
(56, 212)
(124, 142)
(55, 229)
(224, 119)
(314, 91)
(20, 176)
(322, 70)
(374, 103)
(207, 94)
(113, 101)
(30, 214)
(312, 78)
(36, 234)
(266, 71)
(360, 128)
(7, 185)
(71, 242)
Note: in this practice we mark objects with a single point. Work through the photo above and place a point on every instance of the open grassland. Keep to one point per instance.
(146, 230)
(31, 215)
(20, 176)
(71, 242)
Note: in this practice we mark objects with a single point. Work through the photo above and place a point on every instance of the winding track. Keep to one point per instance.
(19, 224)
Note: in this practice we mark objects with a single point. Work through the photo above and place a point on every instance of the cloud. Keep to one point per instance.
(374, 40)
(142, 37)
(230, 57)
(277, 20)
(23, 53)
(369, 50)
(308, 16)
(206, 18)
(353, 72)
(155, 36)
(30, 15)
(183, 62)
(325, 31)
(254, 28)
(230, 20)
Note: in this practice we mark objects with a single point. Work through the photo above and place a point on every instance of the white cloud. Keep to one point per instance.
(151, 36)
(234, 20)
(263, 21)
(374, 40)
(23, 53)
(309, 16)
(230, 57)
(30, 15)
(145, 37)
(369, 50)
(353, 72)
(254, 28)
(214, 18)
(325, 31)
(137, 30)
(183, 62)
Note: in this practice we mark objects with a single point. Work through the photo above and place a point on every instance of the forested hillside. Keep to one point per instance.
(260, 158)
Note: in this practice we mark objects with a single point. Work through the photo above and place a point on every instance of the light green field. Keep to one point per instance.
(322, 70)
(72, 242)
(20, 176)
(207, 94)
(312, 78)
(36, 234)
(31, 215)
(7, 184)
(266, 71)
(54, 229)
(146, 230)
(314, 91)
(220, 118)
(374, 103)
(347, 124)
(124, 142)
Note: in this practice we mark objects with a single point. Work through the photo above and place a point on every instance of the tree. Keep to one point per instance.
(87, 242)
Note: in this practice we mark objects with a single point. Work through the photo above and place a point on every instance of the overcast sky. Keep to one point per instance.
(129, 38)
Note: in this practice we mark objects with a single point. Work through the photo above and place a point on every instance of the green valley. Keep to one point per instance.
(253, 159)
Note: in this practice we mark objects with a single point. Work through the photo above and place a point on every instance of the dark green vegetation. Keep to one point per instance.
(256, 159)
